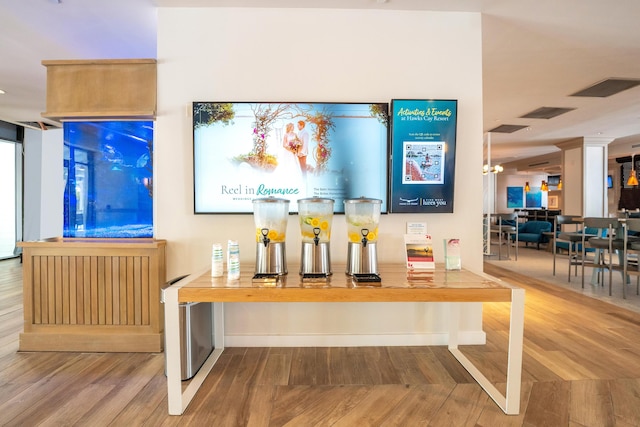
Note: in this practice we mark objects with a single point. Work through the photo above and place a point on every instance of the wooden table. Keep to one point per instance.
(397, 285)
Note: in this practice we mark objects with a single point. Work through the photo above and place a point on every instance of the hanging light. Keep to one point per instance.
(560, 184)
(495, 169)
(633, 179)
(526, 187)
(544, 186)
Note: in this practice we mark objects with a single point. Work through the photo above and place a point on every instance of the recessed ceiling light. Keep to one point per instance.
(2, 92)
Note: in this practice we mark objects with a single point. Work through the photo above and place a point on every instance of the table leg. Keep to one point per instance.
(177, 399)
(172, 350)
(510, 402)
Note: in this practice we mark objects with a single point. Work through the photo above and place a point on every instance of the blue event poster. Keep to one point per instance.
(423, 150)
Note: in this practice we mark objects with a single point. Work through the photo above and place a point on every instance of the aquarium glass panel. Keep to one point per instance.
(108, 170)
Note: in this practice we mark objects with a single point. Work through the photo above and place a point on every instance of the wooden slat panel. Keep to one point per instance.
(146, 295)
(130, 292)
(44, 283)
(94, 290)
(37, 292)
(102, 296)
(51, 290)
(137, 290)
(66, 290)
(86, 273)
(115, 274)
(59, 290)
(108, 291)
(79, 289)
(123, 290)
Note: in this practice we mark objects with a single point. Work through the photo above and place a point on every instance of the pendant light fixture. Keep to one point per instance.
(633, 179)
(560, 184)
(526, 187)
(544, 186)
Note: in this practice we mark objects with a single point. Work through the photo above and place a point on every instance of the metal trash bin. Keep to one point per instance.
(196, 334)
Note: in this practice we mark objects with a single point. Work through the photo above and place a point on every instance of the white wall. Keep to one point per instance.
(505, 180)
(304, 55)
(43, 184)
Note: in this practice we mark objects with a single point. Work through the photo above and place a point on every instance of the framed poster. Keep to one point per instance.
(514, 197)
(423, 148)
(553, 202)
(534, 198)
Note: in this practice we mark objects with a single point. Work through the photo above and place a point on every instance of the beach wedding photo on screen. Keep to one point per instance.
(248, 150)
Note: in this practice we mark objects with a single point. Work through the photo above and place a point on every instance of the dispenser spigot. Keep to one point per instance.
(365, 233)
(316, 233)
(265, 239)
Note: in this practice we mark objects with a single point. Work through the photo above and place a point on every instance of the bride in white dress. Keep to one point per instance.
(288, 164)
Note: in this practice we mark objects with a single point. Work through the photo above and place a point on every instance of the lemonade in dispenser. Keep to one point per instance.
(270, 216)
(315, 216)
(362, 216)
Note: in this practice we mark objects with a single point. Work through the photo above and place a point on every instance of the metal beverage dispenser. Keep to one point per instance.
(316, 215)
(363, 216)
(270, 215)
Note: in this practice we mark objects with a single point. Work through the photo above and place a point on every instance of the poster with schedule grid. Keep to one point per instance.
(423, 145)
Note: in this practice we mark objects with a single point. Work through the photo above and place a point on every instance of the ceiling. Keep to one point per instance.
(536, 53)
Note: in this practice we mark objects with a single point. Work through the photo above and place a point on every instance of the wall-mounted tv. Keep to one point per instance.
(553, 180)
(248, 150)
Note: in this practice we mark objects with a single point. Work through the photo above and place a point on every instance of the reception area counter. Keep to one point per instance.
(93, 295)
(454, 288)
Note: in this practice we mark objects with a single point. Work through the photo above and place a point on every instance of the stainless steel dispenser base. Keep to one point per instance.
(271, 259)
(315, 259)
(362, 259)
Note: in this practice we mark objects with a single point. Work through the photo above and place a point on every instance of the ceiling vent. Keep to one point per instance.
(546, 113)
(608, 87)
(533, 165)
(508, 128)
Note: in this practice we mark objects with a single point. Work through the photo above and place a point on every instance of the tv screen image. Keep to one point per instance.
(248, 150)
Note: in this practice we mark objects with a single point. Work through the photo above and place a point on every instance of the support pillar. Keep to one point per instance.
(584, 176)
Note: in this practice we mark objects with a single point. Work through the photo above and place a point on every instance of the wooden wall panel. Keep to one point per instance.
(110, 88)
(84, 296)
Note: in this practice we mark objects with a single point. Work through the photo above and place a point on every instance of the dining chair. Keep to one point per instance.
(567, 238)
(506, 224)
(630, 257)
(609, 243)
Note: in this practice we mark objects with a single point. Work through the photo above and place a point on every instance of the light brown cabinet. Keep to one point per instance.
(93, 295)
(101, 89)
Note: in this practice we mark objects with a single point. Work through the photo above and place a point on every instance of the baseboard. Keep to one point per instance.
(348, 340)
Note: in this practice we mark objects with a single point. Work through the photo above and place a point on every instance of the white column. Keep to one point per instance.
(43, 184)
(584, 176)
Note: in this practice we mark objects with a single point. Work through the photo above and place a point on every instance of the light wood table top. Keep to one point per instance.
(397, 285)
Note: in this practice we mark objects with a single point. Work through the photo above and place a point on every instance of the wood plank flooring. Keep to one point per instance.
(580, 369)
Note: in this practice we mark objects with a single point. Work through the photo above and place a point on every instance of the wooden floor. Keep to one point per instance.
(581, 368)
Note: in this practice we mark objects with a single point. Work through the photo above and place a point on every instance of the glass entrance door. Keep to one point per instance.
(9, 199)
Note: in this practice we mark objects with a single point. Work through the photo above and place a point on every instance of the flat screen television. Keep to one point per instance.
(248, 150)
(553, 180)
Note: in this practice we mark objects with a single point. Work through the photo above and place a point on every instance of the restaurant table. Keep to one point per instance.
(397, 284)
